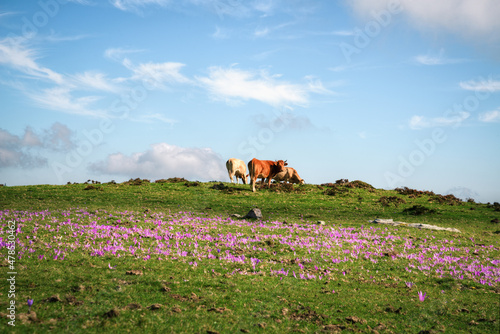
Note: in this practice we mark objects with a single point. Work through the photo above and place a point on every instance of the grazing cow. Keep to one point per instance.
(289, 174)
(236, 167)
(264, 169)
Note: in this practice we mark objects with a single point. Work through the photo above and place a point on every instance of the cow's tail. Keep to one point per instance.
(251, 173)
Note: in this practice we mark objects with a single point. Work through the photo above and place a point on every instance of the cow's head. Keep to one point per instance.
(277, 166)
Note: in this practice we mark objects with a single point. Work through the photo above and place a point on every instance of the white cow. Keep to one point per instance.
(236, 167)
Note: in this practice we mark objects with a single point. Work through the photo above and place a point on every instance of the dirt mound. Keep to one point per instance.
(388, 200)
(360, 185)
(342, 186)
(418, 210)
(413, 192)
(495, 206)
(446, 199)
(92, 187)
(285, 188)
(172, 180)
(136, 182)
(192, 184)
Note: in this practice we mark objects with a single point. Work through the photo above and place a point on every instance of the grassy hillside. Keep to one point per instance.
(169, 257)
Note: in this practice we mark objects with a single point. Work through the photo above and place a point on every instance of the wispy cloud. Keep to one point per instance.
(95, 81)
(118, 54)
(156, 74)
(220, 33)
(164, 160)
(490, 116)
(62, 99)
(14, 53)
(154, 118)
(136, 5)
(485, 85)
(436, 59)
(422, 122)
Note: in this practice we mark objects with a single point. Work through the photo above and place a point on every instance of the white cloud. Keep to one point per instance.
(96, 81)
(154, 118)
(488, 85)
(490, 116)
(164, 160)
(436, 59)
(421, 122)
(220, 33)
(16, 55)
(118, 54)
(234, 84)
(160, 72)
(469, 18)
(134, 5)
(261, 32)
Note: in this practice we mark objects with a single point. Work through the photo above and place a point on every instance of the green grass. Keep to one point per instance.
(223, 292)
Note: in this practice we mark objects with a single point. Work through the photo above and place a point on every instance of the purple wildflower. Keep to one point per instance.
(30, 302)
(421, 296)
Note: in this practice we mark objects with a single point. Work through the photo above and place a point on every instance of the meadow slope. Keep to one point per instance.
(172, 256)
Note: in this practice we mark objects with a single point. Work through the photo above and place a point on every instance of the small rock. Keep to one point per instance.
(320, 222)
(235, 215)
(254, 214)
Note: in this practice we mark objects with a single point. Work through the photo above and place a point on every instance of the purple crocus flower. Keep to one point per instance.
(421, 296)
(30, 302)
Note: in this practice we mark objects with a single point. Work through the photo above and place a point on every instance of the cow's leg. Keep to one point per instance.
(252, 182)
(230, 177)
(263, 182)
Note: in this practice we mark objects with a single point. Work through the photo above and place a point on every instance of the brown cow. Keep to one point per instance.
(289, 174)
(264, 169)
(236, 167)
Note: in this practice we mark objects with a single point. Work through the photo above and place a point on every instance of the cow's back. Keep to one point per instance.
(259, 168)
(234, 165)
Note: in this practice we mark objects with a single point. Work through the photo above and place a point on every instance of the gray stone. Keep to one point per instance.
(235, 215)
(254, 214)
(320, 222)
(414, 225)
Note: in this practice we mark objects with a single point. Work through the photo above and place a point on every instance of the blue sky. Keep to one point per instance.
(394, 93)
